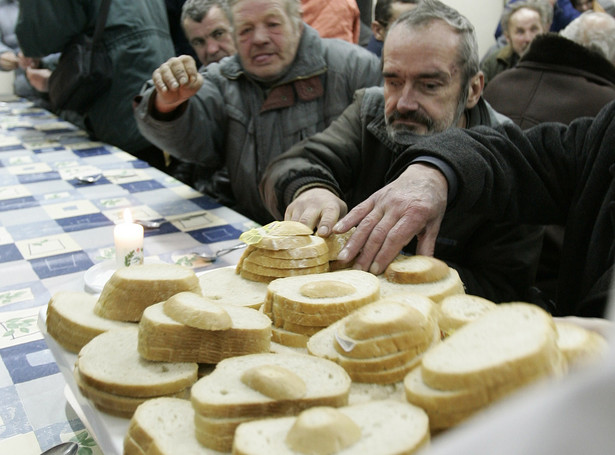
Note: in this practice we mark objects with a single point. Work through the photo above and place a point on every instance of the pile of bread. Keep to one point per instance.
(283, 355)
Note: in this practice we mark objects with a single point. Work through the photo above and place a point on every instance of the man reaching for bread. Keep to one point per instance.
(432, 82)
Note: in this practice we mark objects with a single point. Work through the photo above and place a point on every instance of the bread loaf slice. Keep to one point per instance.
(195, 311)
(451, 284)
(317, 247)
(579, 345)
(116, 405)
(164, 426)
(326, 293)
(416, 269)
(162, 338)
(132, 289)
(511, 342)
(457, 310)
(262, 270)
(384, 427)
(223, 394)
(337, 242)
(111, 363)
(259, 258)
(223, 285)
(71, 320)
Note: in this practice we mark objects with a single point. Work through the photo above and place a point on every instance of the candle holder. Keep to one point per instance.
(128, 237)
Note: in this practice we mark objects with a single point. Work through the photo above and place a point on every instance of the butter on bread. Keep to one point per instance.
(376, 428)
(132, 289)
(71, 320)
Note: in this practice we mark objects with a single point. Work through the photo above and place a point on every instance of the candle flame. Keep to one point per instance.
(127, 216)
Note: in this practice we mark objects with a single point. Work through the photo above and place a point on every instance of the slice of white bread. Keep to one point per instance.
(272, 271)
(579, 345)
(457, 310)
(196, 311)
(317, 247)
(336, 242)
(416, 269)
(383, 358)
(223, 285)
(117, 405)
(436, 291)
(111, 363)
(378, 427)
(223, 394)
(71, 320)
(132, 289)
(162, 338)
(163, 426)
(258, 257)
(317, 296)
(506, 344)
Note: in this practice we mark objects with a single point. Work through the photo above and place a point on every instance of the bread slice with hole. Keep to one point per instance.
(375, 428)
(71, 320)
(132, 289)
(162, 338)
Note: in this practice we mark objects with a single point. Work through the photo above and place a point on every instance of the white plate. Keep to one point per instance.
(108, 430)
(95, 277)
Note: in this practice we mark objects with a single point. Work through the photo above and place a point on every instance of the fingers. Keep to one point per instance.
(317, 208)
(175, 73)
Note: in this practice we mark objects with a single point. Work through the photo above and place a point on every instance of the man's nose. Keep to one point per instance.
(407, 100)
(261, 34)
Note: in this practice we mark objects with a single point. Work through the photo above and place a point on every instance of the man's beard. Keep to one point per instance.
(404, 134)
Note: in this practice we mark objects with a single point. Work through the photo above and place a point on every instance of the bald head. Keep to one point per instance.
(593, 30)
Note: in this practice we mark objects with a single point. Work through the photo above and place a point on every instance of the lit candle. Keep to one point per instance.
(128, 238)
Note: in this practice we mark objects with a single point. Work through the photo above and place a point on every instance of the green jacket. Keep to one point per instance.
(500, 60)
(354, 156)
(136, 37)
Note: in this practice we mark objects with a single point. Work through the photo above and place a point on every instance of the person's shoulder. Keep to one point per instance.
(336, 50)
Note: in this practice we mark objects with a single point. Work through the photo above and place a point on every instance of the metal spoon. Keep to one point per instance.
(151, 224)
(88, 178)
(66, 448)
(221, 252)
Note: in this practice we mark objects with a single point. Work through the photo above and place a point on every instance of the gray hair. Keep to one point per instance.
(198, 9)
(595, 31)
(542, 7)
(429, 11)
(291, 7)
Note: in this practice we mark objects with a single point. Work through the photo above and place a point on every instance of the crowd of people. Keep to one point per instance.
(500, 164)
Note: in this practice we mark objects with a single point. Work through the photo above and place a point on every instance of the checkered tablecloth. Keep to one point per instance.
(53, 229)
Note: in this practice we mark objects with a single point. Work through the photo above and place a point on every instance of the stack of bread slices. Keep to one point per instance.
(506, 348)
(424, 275)
(245, 388)
(190, 328)
(376, 428)
(382, 341)
(111, 373)
(282, 249)
(301, 306)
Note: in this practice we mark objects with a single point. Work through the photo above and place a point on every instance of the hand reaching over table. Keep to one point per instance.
(412, 205)
(176, 81)
(317, 208)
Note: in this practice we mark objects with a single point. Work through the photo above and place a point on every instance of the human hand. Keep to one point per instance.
(176, 80)
(412, 205)
(317, 207)
(28, 62)
(8, 61)
(39, 78)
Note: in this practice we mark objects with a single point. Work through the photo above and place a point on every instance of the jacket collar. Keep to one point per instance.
(553, 49)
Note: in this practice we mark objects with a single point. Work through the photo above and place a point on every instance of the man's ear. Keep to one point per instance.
(378, 30)
(475, 89)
